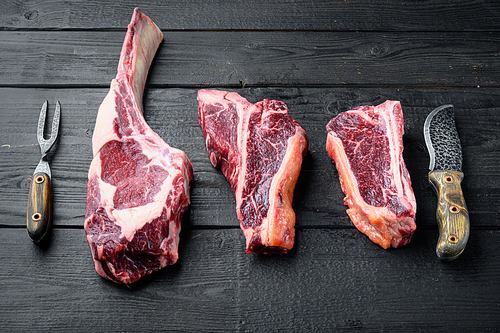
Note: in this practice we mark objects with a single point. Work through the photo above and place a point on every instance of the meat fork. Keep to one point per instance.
(39, 213)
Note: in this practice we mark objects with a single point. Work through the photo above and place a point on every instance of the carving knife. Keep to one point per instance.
(445, 176)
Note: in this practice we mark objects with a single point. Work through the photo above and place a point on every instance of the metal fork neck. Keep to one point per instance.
(43, 166)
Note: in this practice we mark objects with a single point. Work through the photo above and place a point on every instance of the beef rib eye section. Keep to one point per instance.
(138, 185)
(259, 148)
(367, 147)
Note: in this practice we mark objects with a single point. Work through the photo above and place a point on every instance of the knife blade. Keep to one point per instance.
(445, 176)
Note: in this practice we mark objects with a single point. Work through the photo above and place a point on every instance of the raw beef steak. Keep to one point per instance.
(367, 146)
(259, 149)
(138, 185)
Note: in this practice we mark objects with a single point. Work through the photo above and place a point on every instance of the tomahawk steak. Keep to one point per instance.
(367, 147)
(138, 185)
(259, 148)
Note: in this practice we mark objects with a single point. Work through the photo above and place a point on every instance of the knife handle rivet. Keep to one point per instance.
(454, 209)
(448, 179)
(453, 239)
(36, 217)
(39, 179)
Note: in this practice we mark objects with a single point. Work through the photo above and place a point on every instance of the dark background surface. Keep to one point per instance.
(320, 58)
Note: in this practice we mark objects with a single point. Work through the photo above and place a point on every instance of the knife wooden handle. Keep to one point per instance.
(39, 213)
(452, 214)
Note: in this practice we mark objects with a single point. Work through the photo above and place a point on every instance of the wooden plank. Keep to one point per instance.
(236, 59)
(333, 280)
(321, 57)
(172, 113)
(382, 15)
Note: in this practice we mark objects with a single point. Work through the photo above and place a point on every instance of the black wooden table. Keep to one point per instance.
(321, 58)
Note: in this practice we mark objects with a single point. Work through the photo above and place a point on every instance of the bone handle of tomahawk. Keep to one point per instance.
(39, 212)
(452, 214)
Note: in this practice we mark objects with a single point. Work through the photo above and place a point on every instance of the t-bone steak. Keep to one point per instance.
(259, 148)
(366, 144)
(138, 185)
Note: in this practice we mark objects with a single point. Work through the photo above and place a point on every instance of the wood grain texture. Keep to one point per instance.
(39, 211)
(245, 58)
(451, 213)
(320, 57)
(387, 15)
(343, 281)
(172, 113)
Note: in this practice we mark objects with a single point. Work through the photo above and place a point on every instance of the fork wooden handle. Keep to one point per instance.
(39, 213)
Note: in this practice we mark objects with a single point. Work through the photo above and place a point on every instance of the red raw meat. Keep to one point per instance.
(367, 147)
(138, 185)
(259, 149)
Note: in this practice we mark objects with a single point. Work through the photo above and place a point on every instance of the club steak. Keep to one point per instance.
(138, 185)
(367, 147)
(259, 148)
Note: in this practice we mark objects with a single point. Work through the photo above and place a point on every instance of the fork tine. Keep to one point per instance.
(41, 122)
(45, 145)
(55, 123)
